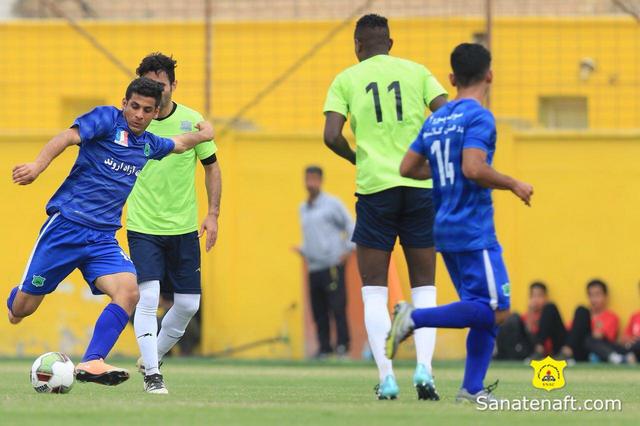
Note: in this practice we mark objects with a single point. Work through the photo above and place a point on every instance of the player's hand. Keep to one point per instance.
(24, 174)
(210, 226)
(206, 129)
(524, 191)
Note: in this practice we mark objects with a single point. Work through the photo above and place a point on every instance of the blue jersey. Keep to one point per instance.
(464, 210)
(110, 158)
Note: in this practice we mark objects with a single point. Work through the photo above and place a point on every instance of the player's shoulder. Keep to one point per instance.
(185, 111)
(476, 112)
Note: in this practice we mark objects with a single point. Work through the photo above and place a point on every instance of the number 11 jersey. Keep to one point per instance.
(464, 210)
(385, 99)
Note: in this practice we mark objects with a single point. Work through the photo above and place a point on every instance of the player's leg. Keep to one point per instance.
(483, 286)
(319, 282)
(21, 304)
(375, 234)
(147, 254)
(183, 275)
(416, 237)
(53, 257)
(108, 270)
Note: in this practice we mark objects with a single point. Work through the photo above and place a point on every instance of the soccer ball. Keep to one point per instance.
(52, 372)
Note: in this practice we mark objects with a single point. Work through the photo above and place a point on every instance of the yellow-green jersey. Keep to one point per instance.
(163, 200)
(385, 99)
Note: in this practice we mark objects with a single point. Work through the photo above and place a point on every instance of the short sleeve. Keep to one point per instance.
(418, 145)
(158, 147)
(432, 87)
(96, 124)
(336, 97)
(479, 132)
(205, 149)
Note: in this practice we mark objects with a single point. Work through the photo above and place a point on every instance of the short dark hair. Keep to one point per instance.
(314, 170)
(157, 62)
(598, 283)
(538, 285)
(145, 87)
(372, 29)
(470, 62)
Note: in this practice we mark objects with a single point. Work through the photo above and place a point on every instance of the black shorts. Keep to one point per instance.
(402, 211)
(174, 260)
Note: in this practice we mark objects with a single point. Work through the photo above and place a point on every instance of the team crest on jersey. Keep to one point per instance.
(147, 149)
(548, 374)
(122, 137)
(186, 126)
(38, 281)
(506, 289)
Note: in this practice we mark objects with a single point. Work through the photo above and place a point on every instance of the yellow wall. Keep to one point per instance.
(45, 63)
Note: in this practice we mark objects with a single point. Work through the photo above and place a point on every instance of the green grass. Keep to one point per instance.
(265, 393)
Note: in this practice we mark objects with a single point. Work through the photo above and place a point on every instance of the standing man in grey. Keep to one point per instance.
(326, 228)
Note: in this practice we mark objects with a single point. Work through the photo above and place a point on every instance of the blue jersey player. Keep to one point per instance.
(84, 215)
(458, 141)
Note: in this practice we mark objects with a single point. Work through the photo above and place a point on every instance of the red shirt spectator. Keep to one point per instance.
(632, 332)
(605, 325)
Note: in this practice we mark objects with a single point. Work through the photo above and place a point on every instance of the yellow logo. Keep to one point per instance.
(547, 374)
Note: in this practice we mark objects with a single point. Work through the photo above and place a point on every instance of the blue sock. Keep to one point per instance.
(108, 328)
(11, 298)
(455, 315)
(480, 342)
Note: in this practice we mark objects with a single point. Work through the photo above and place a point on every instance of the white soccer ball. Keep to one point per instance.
(52, 372)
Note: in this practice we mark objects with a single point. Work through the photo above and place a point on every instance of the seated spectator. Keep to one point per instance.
(594, 330)
(631, 338)
(537, 333)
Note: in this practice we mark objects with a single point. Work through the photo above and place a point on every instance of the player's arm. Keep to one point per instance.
(437, 102)
(476, 168)
(186, 141)
(24, 174)
(415, 166)
(334, 139)
(213, 183)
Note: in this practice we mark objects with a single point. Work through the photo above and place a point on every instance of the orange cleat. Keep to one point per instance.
(98, 371)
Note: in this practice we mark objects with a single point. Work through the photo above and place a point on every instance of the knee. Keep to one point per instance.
(127, 295)
(22, 310)
(187, 304)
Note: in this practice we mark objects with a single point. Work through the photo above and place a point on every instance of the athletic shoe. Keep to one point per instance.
(388, 389)
(424, 384)
(141, 368)
(485, 395)
(97, 371)
(154, 383)
(401, 328)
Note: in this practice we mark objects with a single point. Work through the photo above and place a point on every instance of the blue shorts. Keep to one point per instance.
(480, 276)
(63, 246)
(402, 212)
(174, 260)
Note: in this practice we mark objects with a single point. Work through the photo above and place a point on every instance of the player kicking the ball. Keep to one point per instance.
(85, 212)
(162, 227)
(386, 98)
(459, 142)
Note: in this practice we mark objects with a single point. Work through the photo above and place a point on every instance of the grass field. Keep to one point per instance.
(276, 393)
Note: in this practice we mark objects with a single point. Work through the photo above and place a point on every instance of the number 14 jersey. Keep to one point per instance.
(384, 98)
(464, 210)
